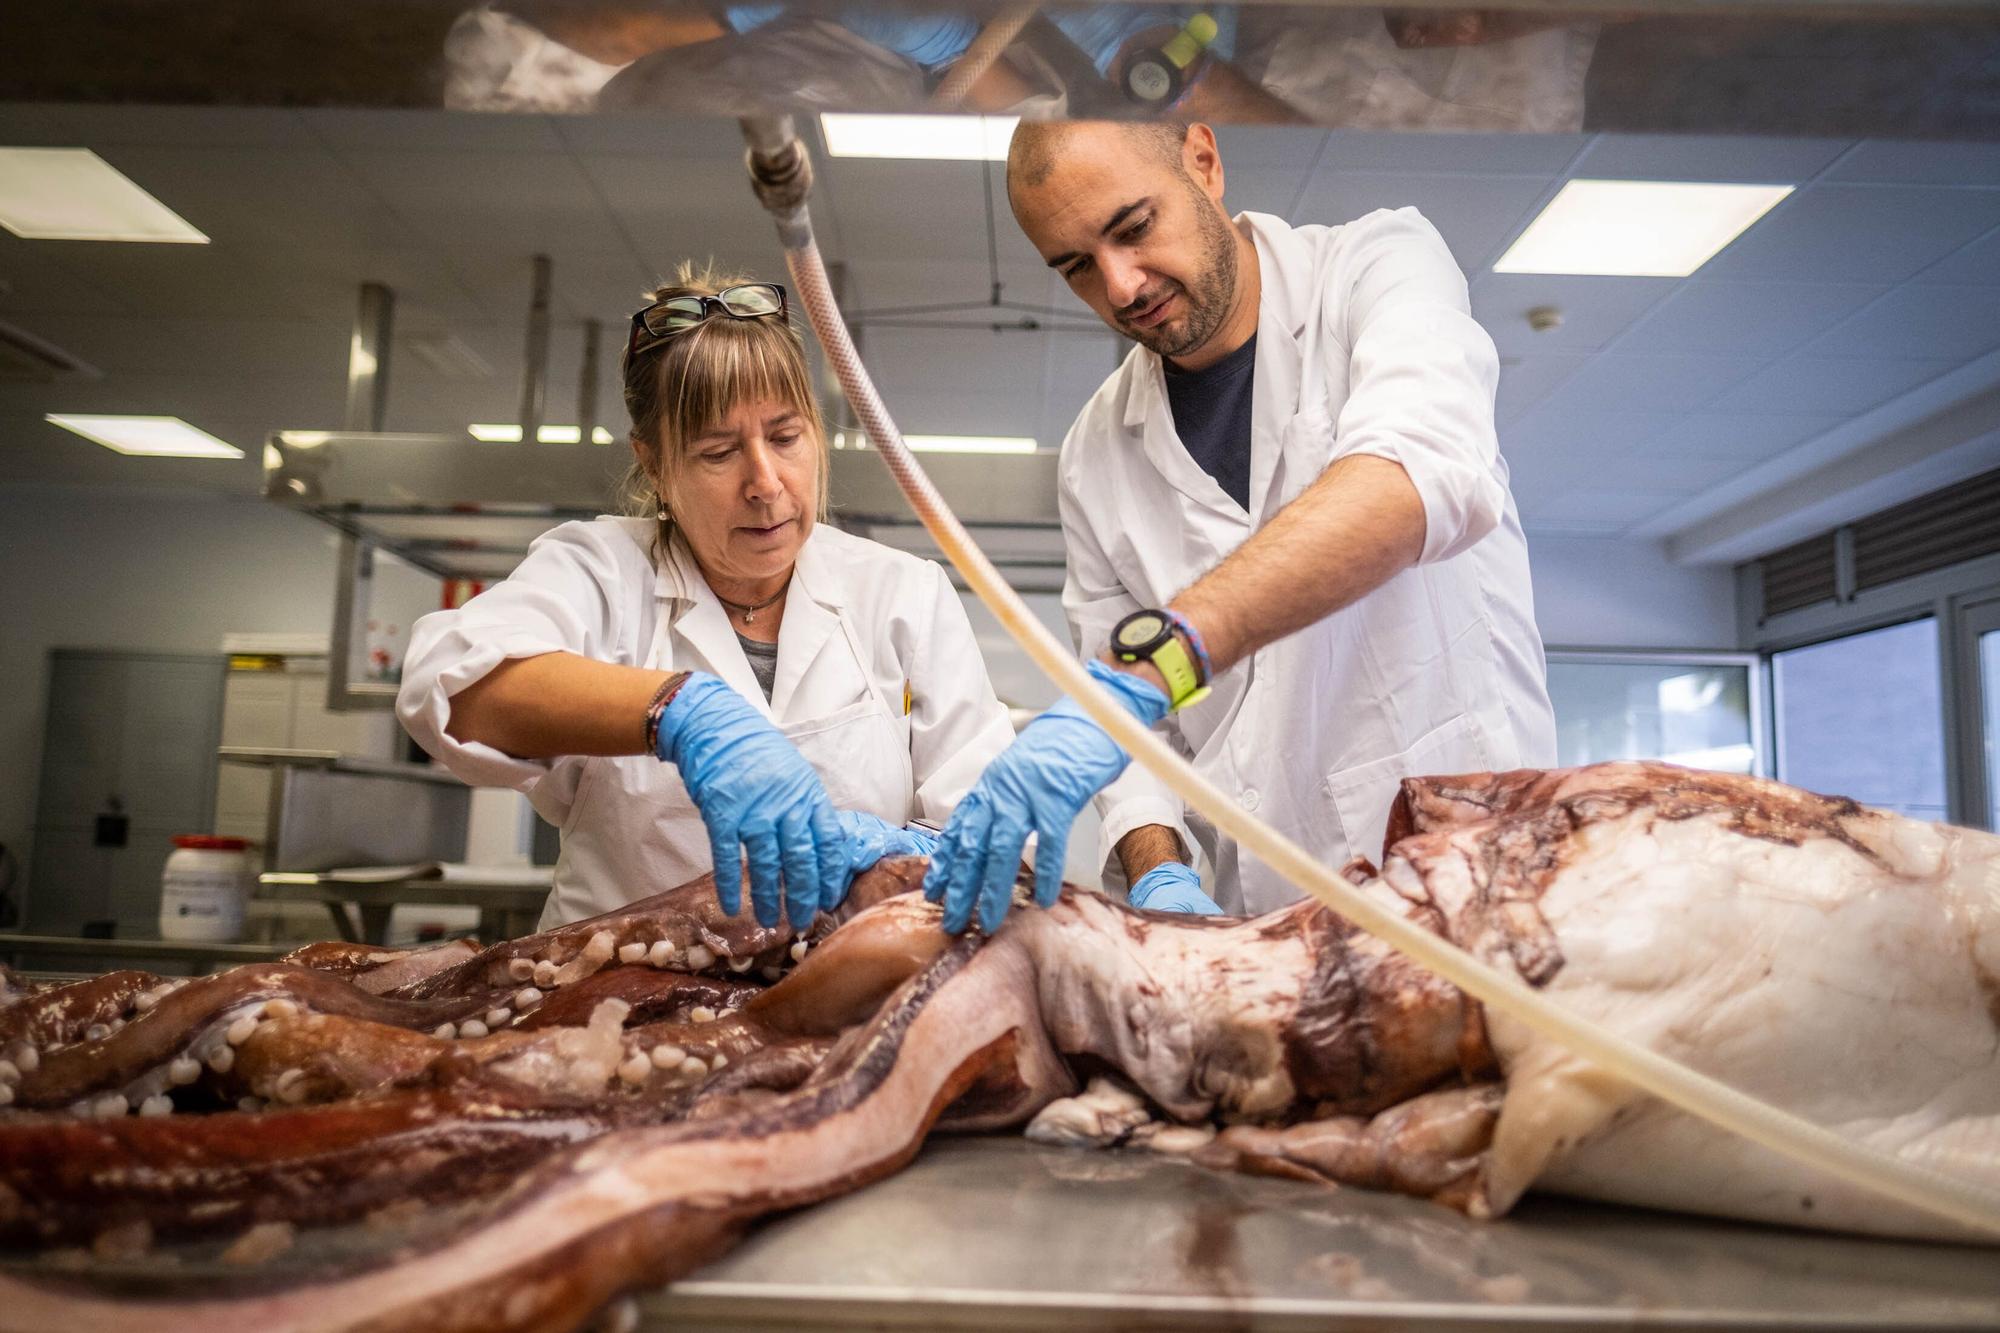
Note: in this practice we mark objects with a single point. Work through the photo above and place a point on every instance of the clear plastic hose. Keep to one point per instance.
(1964, 1202)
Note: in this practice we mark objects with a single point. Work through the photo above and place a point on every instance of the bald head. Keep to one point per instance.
(1131, 215)
(1039, 145)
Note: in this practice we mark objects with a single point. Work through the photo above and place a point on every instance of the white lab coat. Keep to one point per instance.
(1365, 345)
(864, 624)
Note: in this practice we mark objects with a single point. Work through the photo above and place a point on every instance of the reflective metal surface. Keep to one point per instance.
(1001, 1233)
(1890, 68)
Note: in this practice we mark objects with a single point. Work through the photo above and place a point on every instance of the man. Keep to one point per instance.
(1290, 493)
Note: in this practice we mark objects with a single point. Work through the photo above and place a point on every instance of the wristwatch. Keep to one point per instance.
(1169, 642)
(1156, 77)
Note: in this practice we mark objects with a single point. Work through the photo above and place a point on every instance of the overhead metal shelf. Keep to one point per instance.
(462, 509)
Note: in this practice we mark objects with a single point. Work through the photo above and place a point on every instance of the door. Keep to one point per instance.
(128, 761)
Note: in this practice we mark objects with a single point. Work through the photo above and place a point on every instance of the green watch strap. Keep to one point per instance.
(1183, 680)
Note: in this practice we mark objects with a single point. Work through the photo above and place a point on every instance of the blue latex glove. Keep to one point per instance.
(755, 790)
(869, 839)
(1038, 785)
(1173, 887)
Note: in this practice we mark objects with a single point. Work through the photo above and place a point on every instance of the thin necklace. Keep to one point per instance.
(749, 613)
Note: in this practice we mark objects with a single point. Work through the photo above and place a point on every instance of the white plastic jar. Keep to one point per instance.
(203, 889)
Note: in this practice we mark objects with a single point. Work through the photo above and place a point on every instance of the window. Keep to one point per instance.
(1686, 708)
(1989, 674)
(1862, 716)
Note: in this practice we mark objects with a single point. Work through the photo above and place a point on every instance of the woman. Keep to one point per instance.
(728, 660)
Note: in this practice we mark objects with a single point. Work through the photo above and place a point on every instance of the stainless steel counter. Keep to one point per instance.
(999, 1233)
(507, 909)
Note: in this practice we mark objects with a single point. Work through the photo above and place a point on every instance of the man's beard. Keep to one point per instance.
(1207, 302)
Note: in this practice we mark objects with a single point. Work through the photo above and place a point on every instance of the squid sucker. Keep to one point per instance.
(521, 1135)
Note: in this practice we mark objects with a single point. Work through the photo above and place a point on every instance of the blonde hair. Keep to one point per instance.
(676, 390)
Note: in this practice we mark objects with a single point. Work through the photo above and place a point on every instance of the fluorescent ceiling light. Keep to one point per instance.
(948, 444)
(157, 437)
(945, 138)
(495, 434)
(72, 194)
(1637, 229)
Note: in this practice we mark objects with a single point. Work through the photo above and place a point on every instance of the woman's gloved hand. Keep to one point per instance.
(1038, 785)
(1172, 887)
(755, 791)
(869, 839)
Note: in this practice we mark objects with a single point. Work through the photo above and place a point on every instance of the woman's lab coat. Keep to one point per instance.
(1365, 345)
(879, 684)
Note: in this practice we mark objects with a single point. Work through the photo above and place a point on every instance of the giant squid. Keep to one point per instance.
(531, 1130)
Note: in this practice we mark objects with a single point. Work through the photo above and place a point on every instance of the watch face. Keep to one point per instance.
(1149, 80)
(1140, 630)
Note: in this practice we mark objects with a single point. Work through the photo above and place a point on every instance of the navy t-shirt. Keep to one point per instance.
(1212, 416)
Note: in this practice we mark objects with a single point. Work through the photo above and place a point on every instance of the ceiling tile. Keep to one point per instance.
(1695, 157)
(437, 193)
(262, 203)
(1600, 511)
(179, 280)
(1766, 319)
(1823, 385)
(1926, 162)
(947, 361)
(33, 281)
(1287, 147)
(425, 285)
(373, 131)
(604, 287)
(1919, 321)
(1741, 435)
(1254, 189)
(1858, 233)
(873, 202)
(1526, 381)
(1475, 214)
(1978, 262)
(248, 347)
(656, 135)
(1614, 383)
(1548, 434)
(1649, 472)
(1487, 154)
(1594, 310)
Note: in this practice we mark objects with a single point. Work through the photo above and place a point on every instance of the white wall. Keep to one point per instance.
(171, 571)
(1594, 592)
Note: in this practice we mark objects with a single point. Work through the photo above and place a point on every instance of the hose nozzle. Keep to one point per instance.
(780, 170)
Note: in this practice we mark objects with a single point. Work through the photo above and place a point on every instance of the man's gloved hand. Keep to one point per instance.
(1038, 785)
(1172, 887)
(869, 839)
(755, 790)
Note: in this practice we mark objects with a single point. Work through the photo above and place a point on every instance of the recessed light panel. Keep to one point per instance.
(498, 434)
(1637, 229)
(155, 437)
(72, 194)
(940, 138)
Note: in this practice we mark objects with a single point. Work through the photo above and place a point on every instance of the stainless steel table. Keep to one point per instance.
(507, 909)
(999, 1233)
(196, 955)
